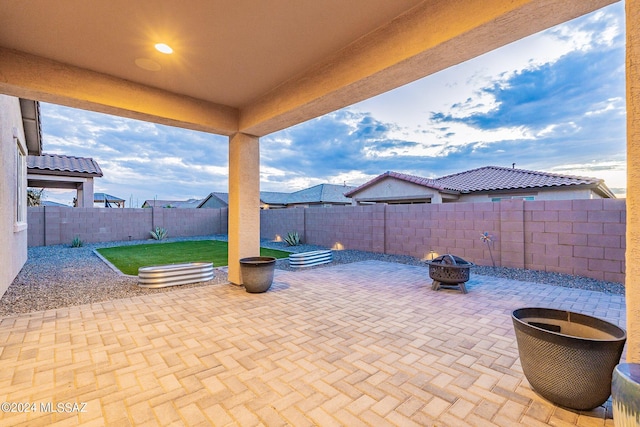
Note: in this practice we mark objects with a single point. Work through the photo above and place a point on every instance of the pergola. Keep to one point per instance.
(245, 69)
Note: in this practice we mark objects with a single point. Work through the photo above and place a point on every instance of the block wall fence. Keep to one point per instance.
(580, 237)
(60, 225)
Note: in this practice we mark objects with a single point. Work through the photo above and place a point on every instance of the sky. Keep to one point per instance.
(553, 102)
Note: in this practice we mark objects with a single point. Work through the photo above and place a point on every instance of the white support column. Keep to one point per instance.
(87, 193)
(244, 201)
(632, 279)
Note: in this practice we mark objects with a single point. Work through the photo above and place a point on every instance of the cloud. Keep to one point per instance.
(137, 158)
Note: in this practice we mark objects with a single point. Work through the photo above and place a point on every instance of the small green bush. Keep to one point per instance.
(77, 242)
(159, 233)
(292, 239)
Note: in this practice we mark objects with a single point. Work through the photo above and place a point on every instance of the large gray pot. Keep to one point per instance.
(257, 273)
(567, 357)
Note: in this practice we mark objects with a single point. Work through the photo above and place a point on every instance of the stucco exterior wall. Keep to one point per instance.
(549, 194)
(13, 236)
(391, 187)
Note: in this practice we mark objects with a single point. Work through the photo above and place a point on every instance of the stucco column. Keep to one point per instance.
(87, 193)
(244, 201)
(632, 279)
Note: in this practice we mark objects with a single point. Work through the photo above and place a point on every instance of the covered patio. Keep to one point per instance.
(360, 344)
(366, 343)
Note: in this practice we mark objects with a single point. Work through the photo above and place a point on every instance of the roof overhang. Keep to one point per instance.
(51, 181)
(391, 199)
(31, 123)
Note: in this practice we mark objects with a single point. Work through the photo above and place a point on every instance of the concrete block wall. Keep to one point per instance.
(428, 230)
(60, 225)
(279, 222)
(190, 222)
(354, 227)
(580, 237)
(35, 221)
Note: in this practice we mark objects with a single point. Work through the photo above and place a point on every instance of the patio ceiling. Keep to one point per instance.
(249, 66)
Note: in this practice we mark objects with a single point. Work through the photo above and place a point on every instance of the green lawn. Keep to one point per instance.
(128, 258)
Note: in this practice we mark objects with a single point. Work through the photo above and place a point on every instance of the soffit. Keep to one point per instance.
(227, 52)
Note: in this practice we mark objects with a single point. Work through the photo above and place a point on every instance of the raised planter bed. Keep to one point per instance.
(160, 276)
(307, 259)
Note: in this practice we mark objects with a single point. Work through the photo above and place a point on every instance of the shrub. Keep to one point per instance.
(159, 233)
(292, 239)
(77, 242)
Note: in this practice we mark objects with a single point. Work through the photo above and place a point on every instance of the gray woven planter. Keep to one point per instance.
(568, 358)
(257, 273)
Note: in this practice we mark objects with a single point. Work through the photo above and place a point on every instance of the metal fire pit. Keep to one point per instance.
(449, 270)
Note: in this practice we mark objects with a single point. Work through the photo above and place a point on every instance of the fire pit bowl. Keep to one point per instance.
(449, 270)
(568, 358)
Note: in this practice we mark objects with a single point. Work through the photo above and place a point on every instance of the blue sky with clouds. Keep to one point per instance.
(554, 101)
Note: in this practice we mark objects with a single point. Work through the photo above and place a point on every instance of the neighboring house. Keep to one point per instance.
(268, 200)
(322, 195)
(104, 200)
(67, 172)
(20, 136)
(182, 204)
(490, 183)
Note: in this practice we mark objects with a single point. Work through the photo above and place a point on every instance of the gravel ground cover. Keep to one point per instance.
(62, 276)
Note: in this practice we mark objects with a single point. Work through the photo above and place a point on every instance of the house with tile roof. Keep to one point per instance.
(182, 204)
(489, 183)
(321, 195)
(67, 172)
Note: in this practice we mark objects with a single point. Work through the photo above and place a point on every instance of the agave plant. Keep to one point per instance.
(77, 242)
(159, 233)
(292, 239)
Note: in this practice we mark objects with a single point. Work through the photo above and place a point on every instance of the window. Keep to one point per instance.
(21, 184)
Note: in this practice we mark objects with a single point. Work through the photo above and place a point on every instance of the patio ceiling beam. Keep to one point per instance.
(429, 38)
(41, 79)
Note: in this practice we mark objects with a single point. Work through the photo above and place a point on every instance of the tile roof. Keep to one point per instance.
(492, 178)
(322, 193)
(56, 164)
(425, 182)
(273, 197)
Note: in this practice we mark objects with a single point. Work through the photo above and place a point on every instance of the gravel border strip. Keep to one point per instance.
(61, 276)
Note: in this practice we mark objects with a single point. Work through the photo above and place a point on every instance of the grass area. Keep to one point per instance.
(128, 258)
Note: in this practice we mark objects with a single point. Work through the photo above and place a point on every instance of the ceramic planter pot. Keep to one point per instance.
(625, 394)
(567, 357)
(257, 273)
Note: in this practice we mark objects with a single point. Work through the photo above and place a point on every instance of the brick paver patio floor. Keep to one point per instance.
(363, 344)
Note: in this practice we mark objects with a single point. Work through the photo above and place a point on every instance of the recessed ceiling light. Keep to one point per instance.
(164, 48)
